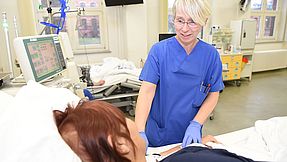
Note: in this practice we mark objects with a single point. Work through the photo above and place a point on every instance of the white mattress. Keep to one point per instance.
(266, 141)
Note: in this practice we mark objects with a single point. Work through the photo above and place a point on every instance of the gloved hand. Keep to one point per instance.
(143, 135)
(192, 134)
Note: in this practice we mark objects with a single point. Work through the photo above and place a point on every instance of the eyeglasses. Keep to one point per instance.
(180, 23)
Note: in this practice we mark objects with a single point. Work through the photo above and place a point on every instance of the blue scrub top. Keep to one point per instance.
(183, 82)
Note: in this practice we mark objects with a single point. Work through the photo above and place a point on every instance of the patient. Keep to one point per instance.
(99, 132)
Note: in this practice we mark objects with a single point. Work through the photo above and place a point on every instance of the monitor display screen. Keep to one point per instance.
(113, 2)
(165, 36)
(130, 2)
(122, 2)
(40, 57)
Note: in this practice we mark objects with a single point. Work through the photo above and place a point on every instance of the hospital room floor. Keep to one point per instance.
(264, 97)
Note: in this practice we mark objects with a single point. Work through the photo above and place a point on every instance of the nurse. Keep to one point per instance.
(182, 77)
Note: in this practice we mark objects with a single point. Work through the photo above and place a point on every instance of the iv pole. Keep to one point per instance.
(78, 11)
(64, 9)
(5, 26)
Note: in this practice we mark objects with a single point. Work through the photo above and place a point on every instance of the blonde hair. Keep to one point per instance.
(198, 10)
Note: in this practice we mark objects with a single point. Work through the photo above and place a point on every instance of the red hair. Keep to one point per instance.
(93, 122)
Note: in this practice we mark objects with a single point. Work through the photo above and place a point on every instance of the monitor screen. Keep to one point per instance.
(40, 57)
(122, 2)
(165, 36)
(113, 2)
(130, 2)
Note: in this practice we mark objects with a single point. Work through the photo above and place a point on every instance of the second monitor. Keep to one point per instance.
(163, 36)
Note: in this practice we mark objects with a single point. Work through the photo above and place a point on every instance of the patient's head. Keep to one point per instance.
(98, 132)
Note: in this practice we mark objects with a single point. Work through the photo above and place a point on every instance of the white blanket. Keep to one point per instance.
(114, 70)
(273, 133)
(27, 128)
(266, 141)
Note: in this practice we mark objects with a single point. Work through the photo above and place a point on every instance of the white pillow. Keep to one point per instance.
(27, 129)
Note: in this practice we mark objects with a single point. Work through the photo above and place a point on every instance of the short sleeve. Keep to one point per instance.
(216, 80)
(150, 71)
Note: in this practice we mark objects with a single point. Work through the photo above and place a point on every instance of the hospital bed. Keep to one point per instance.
(123, 94)
(28, 131)
(120, 83)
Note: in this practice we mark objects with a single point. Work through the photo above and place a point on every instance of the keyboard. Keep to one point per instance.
(59, 83)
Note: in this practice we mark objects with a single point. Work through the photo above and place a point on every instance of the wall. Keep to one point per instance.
(10, 8)
(136, 31)
(223, 11)
(27, 18)
(153, 22)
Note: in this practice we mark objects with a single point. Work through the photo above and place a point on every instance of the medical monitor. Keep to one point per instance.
(165, 36)
(122, 2)
(130, 2)
(40, 57)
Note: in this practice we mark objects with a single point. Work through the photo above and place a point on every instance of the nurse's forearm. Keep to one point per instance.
(144, 101)
(207, 107)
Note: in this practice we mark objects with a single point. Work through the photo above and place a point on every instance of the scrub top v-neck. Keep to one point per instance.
(183, 82)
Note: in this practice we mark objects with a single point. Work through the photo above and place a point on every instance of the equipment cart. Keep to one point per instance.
(231, 67)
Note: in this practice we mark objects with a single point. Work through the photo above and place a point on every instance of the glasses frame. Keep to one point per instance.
(180, 23)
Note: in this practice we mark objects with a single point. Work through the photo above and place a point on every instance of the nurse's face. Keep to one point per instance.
(186, 29)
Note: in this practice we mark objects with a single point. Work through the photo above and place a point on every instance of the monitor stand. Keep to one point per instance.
(58, 81)
(18, 80)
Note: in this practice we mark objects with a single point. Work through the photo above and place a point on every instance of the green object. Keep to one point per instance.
(40, 7)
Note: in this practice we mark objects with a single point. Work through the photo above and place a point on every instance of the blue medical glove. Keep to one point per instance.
(192, 134)
(143, 135)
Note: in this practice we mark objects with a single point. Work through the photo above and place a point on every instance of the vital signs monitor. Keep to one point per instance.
(40, 57)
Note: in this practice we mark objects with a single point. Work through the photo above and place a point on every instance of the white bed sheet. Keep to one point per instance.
(266, 141)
